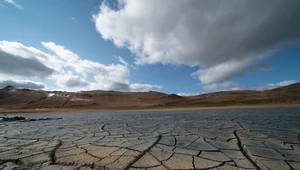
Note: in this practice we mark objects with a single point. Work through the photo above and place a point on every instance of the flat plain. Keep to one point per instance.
(254, 138)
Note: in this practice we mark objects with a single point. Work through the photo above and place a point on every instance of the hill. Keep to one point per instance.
(12, 99)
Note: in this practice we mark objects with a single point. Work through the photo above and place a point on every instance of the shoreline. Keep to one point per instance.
(50, 110)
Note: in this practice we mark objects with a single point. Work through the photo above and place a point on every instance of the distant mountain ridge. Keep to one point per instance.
(19, 99)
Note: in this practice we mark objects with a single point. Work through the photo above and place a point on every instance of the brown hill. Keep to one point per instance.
(20, 99)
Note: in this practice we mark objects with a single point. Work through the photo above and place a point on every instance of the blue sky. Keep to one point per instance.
(175, 47)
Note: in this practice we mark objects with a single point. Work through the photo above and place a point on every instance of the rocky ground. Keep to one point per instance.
(211, 139)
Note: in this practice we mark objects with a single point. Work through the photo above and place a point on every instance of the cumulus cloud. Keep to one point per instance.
(106, 77)
(22, 84)
(223, 71)
(144, 87)
(60, 51)
(21, 61)
(84, 67)
(66, 68)
(71, 81)
(29, 67)
(212, 35)
(12, 2)
(109, 77)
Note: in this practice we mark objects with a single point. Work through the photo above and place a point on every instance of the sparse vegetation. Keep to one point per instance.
(18, 99)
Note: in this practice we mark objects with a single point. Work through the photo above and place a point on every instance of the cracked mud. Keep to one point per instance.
(203, 139)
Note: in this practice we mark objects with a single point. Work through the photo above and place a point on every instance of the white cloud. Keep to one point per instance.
(22, 84)
(106, 77)
(66, 68)
(223, 71)
(231, 86)
(103, 73)
(224, 86)
(20, 61)
(71, 81)
(188, 94)
(144, 87)
(60, 51)
(122, 60)
(14, 3)
(274, 85)
(125, 63)
(2, 5)
(213, 35)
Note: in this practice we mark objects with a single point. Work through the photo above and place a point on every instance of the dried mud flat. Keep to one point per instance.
(265, 138)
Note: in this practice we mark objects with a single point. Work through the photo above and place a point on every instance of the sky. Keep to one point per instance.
(172, 46)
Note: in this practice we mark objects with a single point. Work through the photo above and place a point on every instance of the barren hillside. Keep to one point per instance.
(22, 99)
